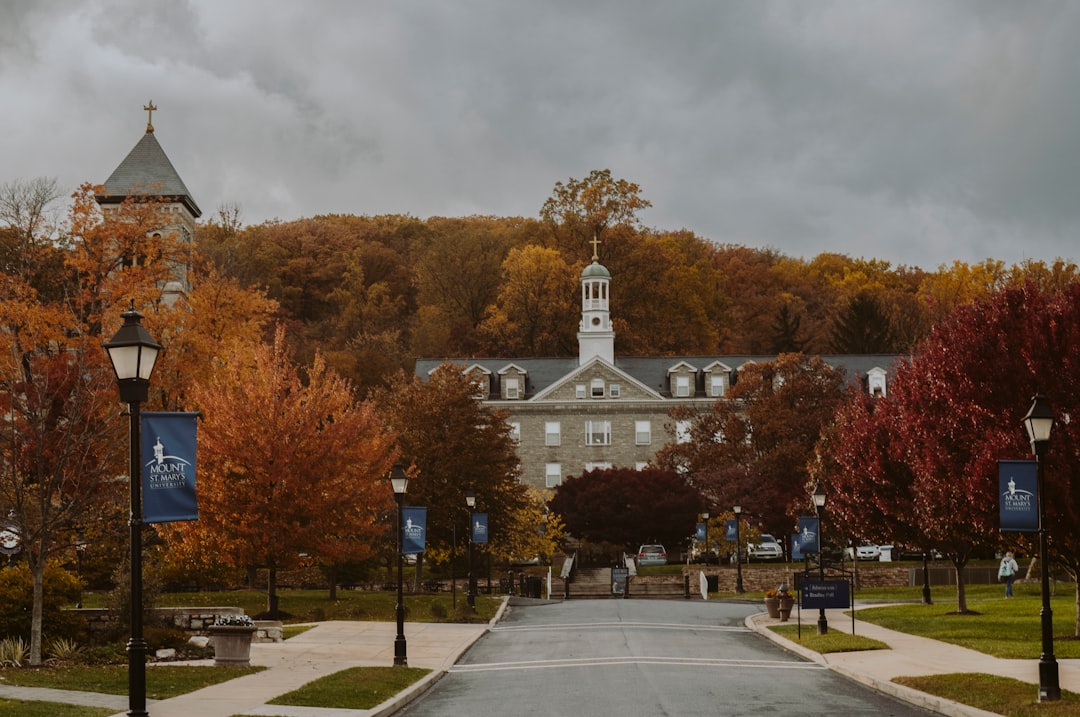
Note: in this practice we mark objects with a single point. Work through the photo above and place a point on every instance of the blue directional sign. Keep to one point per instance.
(820, 594)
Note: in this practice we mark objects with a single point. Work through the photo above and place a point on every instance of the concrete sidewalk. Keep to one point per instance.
(910, 656)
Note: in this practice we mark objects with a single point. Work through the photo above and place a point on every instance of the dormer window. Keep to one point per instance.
(875, 382)
(513, 388)
(717, 386)
(682, 386)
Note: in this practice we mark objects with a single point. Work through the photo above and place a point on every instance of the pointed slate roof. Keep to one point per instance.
(147, 170)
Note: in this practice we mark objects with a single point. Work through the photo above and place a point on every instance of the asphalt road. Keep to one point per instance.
(631, 658)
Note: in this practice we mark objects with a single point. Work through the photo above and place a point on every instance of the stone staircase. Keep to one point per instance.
(595, 584)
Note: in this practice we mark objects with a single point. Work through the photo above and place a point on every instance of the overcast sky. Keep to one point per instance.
(915, 131)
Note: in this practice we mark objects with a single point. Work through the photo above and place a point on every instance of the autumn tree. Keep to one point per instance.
(289, 464)
(454, 443)
(582, 210)
(954, 411)
(628, 507)
(537, 310)
(755, 445)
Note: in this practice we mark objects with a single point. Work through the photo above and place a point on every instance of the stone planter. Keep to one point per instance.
(232, 644)
(786, 603)
(773, 606)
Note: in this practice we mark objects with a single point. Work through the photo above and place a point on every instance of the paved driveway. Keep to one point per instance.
(640, 658)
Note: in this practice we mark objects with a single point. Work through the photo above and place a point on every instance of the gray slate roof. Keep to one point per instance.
(650, 370)
(147, 170)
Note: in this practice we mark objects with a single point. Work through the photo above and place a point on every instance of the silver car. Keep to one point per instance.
(651, 555)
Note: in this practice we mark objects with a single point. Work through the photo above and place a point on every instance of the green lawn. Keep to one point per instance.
(995, 626)
(833, 641)
(1000, 695)
(20, 708)
(358, 688)
(162, 681)
(316, 606)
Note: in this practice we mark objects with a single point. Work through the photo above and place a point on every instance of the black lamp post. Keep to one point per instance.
(819, 507)
(926, 579)
(133, 352)
(470, 500)
(737, 510)
(399, 480)
(1039, 421)
(705, 518)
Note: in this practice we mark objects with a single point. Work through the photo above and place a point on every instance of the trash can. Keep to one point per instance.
(713, 583)
(533, 586)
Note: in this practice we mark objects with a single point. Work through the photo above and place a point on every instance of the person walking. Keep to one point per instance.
(1007, 572)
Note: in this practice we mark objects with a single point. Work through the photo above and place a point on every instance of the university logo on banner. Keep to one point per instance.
(731, 531)
(700, 534)
(168, 476)
(1018, 486)
(808, 535)
(413, 529)
(479, 528)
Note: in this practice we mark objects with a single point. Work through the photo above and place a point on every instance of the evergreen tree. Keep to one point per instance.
(862, 328)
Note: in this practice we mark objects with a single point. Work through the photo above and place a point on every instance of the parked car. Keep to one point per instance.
(651, 555)
(767, 548)
(868, 552)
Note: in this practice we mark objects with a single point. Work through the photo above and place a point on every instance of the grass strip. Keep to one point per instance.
(28, 708)
(1000, 695)
(288, 631)
(162, 681)
(357, 688)
(832, 641)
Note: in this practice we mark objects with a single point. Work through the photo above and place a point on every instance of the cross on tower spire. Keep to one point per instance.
(150, 116)
(595, 242)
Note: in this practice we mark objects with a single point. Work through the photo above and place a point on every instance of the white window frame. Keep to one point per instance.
(579, 390)
(552, 433)
(598, 433)
(614, 390)
(513, 387)
(598, 466)
(642, 433)
(596, 388)
(552, 475)
(682, 431)
(682, 386)
(515, 431)
(717, 385)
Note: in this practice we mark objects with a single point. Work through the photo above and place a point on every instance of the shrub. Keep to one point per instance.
(61, 589)
(63, 649)
(13, 652)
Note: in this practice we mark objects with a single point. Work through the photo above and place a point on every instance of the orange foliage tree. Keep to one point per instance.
(288, 465)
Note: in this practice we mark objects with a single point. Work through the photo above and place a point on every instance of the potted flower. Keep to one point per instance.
(786, 602)
(231, 637)
(772, 602)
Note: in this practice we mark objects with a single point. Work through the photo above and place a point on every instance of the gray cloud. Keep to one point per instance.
(919, 132)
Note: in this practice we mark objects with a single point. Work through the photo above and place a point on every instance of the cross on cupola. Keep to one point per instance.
(595, 243)
(150, 116)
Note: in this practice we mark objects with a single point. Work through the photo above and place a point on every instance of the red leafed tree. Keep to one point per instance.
(955, 411)
(288, 464)
(628, 507)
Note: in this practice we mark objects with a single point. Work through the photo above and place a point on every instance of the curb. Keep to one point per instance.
(418, 688)
(940, 705)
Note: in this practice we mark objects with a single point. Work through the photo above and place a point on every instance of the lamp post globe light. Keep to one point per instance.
(737, 510)
(133, 352)
(470, 501)
(399, 481)
(1039, 421)
(819, 508)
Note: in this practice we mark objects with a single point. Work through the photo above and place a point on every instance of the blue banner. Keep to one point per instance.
(1018, 486)
(731, 531)
(699, 535)
(413, 529)
(808, 535)
(796, 547)
(479, 528)
(168, 470)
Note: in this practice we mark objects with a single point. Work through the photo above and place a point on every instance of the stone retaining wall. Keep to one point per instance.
(192, 620)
